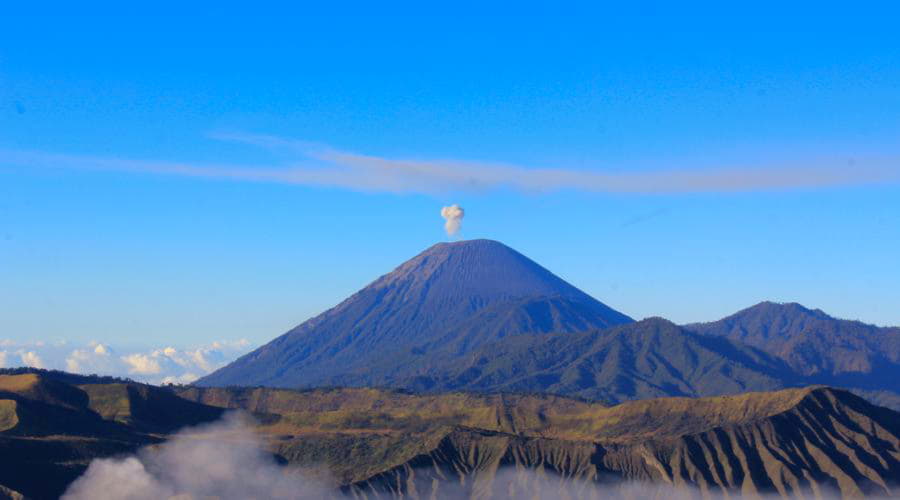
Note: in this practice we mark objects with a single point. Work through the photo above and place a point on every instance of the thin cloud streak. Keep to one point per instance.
(322, 166)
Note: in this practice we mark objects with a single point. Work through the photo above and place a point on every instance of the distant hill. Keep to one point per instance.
(66, 377)
(822, 348)
(647, 359)
(453, 296)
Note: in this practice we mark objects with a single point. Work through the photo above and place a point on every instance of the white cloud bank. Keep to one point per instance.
(327, 167)
(156, 365)
(142, 364)
(31, 358)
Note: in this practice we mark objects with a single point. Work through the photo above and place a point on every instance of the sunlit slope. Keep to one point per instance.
(781, 442)
(825, 441)
(360, 409)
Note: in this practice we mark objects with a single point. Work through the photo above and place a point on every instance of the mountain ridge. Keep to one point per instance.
(478, 316)
(812, 342)
(645, 359)
(404, 445)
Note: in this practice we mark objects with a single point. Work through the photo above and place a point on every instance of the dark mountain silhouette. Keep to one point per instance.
(810, 341)
(646, 359)
(453, 296)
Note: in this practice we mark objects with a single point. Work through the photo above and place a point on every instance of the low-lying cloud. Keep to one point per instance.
(156, 365)
(224, 460)
(327, 167)
(31, 358)
(142, 364)
(21, 357)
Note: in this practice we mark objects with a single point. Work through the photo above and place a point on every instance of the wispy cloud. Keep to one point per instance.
(318, 165)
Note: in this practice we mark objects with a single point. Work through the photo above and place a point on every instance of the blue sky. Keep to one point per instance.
(155, 166)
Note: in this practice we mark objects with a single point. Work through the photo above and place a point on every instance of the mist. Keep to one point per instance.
(223, 460)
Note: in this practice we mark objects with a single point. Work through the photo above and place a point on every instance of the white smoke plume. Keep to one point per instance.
(453, 215)
(223, 460)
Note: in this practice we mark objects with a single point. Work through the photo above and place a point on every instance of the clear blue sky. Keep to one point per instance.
(128, 253)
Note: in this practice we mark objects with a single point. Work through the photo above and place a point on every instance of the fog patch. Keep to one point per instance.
(223, 460)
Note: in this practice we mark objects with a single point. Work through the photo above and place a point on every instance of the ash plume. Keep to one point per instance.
(453, 215)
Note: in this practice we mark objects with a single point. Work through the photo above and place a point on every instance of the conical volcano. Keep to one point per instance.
(452, 298)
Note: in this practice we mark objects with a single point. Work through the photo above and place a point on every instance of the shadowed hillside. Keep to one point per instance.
(819, 348)
(646, 359)
(810, 341)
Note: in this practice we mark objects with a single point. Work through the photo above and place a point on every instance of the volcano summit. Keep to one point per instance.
(452, 298)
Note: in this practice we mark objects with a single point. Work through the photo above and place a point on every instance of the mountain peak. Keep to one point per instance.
(478, 243)
(453, 296)
(771, 309)
(481, 270)
(809, 340)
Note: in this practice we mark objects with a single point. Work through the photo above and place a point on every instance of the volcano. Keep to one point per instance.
(452, 298)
